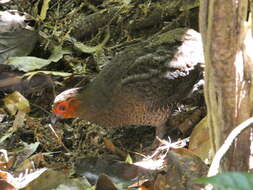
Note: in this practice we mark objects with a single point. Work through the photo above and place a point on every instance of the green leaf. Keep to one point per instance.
(92, 49)
(230, 180)
(27, 63)
(30, 63)
(44, 9)
(187, 5)
(57, 53)
(84, 48)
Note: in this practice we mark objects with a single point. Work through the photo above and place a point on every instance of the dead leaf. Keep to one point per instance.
(16, 101)
(119, 172)
(18, 123)
(160, 182)
(181, 170)
(17, 38)
(17, 104)
(200, 141)
(22, 180)
(31, 162)
(58, 180)
(6, 186)
(105, 183)
(3, 159)
(110, 146)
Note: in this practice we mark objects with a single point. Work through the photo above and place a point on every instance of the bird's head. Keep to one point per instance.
(66, 105)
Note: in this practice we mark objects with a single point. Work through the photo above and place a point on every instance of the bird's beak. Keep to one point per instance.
(54, 118)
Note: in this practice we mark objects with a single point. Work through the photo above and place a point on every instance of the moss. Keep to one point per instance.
(169, 37)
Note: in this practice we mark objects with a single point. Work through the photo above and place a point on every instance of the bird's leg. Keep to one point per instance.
(161, 131)
(160, 134)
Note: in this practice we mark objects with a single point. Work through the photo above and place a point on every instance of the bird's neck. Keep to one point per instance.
(94, 106)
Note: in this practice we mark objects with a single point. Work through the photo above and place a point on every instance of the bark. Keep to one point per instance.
(227, 76)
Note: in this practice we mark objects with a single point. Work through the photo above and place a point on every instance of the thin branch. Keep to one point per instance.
(213, 170)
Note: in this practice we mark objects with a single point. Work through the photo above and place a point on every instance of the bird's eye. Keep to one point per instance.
(62, 108)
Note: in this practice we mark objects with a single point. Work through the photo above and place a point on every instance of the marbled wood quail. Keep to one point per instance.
(140, 85)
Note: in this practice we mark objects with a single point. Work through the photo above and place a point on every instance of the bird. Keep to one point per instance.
(140, 86)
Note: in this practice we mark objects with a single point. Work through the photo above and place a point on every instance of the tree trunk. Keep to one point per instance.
(228, 75)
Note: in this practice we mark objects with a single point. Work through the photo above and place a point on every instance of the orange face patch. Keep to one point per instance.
(67, 108)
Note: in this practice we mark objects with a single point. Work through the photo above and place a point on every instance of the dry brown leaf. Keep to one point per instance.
(105, 183)
(16, 101)
(31, 162)
(109, 145)
(200, 142)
